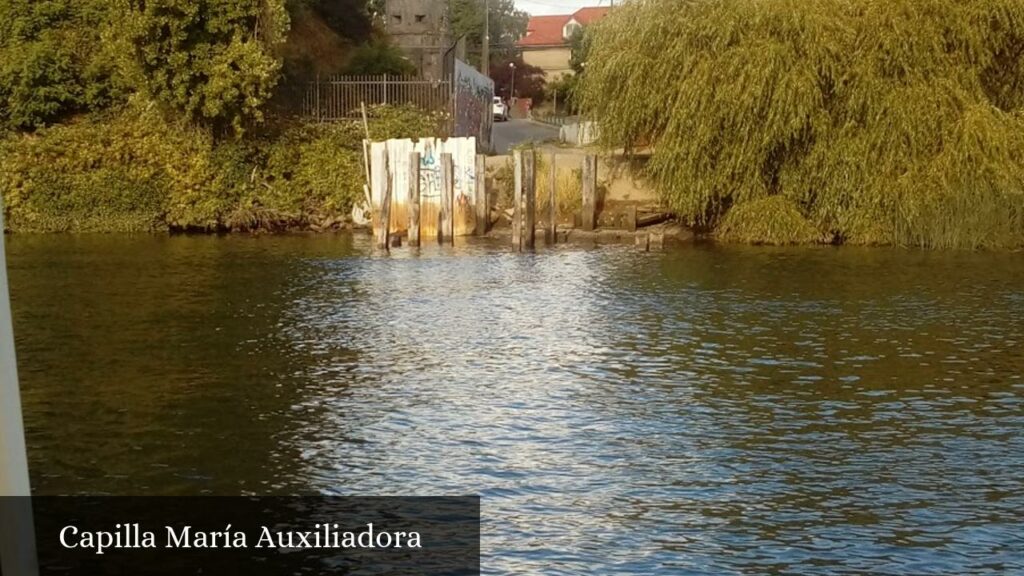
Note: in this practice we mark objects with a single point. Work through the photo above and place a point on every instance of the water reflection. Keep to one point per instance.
(706, 410)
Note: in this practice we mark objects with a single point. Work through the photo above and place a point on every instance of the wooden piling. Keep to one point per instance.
(414, 199)
(643, 242)
(551, 235)
(483, 213)
(656, 241)
(384, 217)
(447, 232)
(517, 200)
(530, 194)
(631, 218)
(590, 193)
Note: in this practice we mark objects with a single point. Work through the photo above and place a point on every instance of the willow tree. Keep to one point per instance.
(876, 121)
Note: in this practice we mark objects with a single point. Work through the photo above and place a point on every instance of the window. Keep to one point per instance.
(420, 18)
(396, 18)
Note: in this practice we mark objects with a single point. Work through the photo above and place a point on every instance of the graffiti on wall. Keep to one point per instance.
(474, 94)
(395, 154)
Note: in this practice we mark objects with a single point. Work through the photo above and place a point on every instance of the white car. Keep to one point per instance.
(500, 109)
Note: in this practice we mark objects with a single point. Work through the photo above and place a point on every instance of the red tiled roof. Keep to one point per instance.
(547, 30)
(591, 14)
(544, 31)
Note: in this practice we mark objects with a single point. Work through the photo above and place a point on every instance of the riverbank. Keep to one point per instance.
(135, 170)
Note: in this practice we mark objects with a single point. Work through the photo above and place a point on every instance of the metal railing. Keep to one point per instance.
(340, 97)
(554, 119)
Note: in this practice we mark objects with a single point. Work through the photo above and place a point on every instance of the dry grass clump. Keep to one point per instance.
(569, 186)
(888, 121)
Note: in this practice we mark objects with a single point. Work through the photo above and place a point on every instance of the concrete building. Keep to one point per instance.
(420, 29)
(547, 41)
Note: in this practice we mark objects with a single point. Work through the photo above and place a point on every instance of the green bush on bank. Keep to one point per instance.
(773, 220)
(109, 172)
(135, 170)
(881, 121)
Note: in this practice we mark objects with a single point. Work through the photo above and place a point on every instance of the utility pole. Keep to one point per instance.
(485, 48)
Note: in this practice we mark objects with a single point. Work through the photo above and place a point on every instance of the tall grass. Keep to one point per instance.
(568, 187)
(885, 121)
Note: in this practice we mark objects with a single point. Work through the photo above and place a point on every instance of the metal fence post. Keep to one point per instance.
(318, 117)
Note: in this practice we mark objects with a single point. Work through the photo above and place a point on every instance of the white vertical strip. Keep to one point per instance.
(13, 463)
(17, 537)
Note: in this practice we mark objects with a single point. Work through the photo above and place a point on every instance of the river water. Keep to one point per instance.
(706, 410)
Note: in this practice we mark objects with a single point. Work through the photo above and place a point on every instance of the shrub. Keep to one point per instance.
(774, 220)
(215, 61)
(53, 62)
(379, 56)
(134, 170)
(110, 173)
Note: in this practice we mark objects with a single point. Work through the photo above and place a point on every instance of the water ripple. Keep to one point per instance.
(697, 411)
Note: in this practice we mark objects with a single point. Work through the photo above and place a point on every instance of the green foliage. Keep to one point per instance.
(52, 60)
(133, 170)
(772, 220)
(507, 25)
(214, 61)
(309, 172)
(349, 18)
(529, 80)
(110, 173)
(579, 46)
(142, 89)
(887, 121)
(379, 57)
(564, 88)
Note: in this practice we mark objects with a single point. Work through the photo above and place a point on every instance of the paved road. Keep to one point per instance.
(514, 132)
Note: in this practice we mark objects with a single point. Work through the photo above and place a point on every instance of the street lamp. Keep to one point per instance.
(485, 49)
(512, 89)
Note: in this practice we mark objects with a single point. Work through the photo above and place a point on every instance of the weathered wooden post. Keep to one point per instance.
(643, 242)
(517, 200)
(414, 199)
(590, 193)
(17, 536)
(551, 235)
(530, 196)
(631, 218)
(483, 213)
(447, 233)
(656, 241)
(384, 228)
